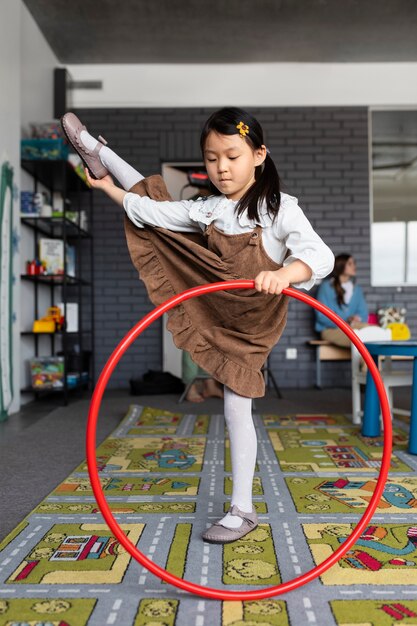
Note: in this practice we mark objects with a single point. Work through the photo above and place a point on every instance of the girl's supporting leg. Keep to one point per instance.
(125, 173)
(243, 448)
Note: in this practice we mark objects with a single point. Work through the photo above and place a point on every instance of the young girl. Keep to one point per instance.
(246, 229)
(341, 294)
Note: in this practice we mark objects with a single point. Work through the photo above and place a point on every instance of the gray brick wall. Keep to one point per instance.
(322, 157)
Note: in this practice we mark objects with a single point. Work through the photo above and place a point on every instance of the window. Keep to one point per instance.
(394, 197)
(411, 263)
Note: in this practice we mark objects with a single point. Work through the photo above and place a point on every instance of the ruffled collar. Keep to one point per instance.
(206, 210)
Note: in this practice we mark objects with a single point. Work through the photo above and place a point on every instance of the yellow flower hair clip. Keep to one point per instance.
(243, 129)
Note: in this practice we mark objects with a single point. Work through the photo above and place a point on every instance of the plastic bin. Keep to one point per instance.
(47, 372)
(52, 149)
(74, 379)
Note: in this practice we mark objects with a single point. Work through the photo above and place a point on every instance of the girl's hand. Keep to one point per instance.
(99, 184)
(272, 282)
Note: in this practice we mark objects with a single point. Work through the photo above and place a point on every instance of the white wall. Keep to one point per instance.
(37, 64)
(36, 85)
(26, 94)
(255, 84)
(9, 138)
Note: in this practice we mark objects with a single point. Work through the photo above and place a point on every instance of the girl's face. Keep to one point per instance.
(231, 162)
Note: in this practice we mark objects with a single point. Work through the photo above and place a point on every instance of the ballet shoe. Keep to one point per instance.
(217, 533)
(72, 128)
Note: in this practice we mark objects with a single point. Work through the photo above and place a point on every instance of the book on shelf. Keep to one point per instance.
(70, 253)
(70, 312)
(51, 254)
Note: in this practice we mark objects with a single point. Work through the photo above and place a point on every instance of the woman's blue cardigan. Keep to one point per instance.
(327, 295)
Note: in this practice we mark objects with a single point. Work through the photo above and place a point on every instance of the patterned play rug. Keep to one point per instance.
(166, 476)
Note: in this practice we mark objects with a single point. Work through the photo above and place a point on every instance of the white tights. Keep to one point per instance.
(125, 173)
(243, 447)
(237, 409)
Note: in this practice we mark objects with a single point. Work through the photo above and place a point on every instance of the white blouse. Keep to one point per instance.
(348, 289)
(290, 231)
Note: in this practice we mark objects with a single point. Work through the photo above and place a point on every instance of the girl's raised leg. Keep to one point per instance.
(99, 159)
(122, 171)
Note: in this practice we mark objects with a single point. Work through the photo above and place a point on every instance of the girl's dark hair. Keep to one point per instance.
(267, 184)
(339, 268)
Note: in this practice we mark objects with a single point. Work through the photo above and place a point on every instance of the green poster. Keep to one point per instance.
(6, 287)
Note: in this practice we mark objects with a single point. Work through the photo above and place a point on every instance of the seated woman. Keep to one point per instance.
(210, 387)
(343, 296)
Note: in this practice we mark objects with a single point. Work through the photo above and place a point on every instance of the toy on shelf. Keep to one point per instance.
(44, 140)
(35, 267)
(51, 322)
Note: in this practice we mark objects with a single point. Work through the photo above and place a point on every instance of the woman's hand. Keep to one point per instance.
(272, 282)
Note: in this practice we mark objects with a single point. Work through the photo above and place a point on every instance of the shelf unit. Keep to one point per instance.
(58, 177)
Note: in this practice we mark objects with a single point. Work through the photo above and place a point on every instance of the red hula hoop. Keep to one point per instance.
(208, 592)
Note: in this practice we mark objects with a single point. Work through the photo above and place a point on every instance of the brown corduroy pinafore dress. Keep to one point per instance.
(228, 333)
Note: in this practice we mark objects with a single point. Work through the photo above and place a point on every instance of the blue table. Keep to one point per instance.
(371, 425)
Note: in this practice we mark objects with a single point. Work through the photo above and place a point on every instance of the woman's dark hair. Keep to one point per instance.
(267, 184)
(339, 268)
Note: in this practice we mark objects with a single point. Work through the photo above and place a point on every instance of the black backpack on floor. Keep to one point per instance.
(155, 383)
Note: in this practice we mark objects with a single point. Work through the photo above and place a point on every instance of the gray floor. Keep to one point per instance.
(43, 443)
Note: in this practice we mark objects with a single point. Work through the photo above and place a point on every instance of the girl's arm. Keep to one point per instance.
(274, 282)
(143, 211)
(107, 185)
(303, 243)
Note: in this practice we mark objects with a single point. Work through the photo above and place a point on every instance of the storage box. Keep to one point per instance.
(51, 149)
(74, 379)
(77, 361)
(47, 372)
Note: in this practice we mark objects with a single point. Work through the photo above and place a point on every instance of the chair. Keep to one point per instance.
(266, 371)
(187, 387)
(391, 377)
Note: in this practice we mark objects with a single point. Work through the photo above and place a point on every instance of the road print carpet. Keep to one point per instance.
(167, 476)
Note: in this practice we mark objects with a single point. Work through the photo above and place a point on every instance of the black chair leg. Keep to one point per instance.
(270, 375)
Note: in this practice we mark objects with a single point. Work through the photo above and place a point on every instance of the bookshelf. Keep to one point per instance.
(71, 224)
